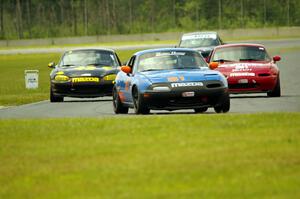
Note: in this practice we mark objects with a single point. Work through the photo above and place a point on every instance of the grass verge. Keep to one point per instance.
(202, 156)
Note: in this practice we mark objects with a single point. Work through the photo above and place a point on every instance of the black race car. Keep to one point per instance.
(83, 73)
(204, 42)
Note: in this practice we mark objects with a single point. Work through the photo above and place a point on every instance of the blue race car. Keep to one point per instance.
(169, 79)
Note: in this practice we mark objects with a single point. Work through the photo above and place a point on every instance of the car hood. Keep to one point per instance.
(87, 71)
(245, 67)
(181, 75)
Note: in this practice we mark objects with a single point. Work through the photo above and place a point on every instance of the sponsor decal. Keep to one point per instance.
(85, 79)
(186, 84)
(175, 79)
(172, 79)
(169, 53)
(244, 65)
(241, 68)
(200, 36)
(241, 74)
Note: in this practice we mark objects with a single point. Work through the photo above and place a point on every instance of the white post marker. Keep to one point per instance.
(31, 79)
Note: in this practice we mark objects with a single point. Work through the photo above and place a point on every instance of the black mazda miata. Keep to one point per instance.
(83, 73)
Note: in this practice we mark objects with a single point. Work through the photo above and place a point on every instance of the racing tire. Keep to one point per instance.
(119, 108)
(54, 98)
(224, 104)
(200, 110)
(138, 103)
(276, 92)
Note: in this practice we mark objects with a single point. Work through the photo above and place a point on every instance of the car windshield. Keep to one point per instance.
(89, 57)
(196, 41)
(169, 60)
(240, 53)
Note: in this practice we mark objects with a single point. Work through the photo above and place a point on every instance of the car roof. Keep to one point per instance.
(163, 50)
(91, 49)
(239, 44)
(200, 33)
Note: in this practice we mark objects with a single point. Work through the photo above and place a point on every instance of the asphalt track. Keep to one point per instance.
(286, 43)
(102, 107)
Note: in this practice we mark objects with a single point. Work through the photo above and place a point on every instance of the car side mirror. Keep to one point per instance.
(276, 58)
(51, 65)
(126, 69)
(213, 65)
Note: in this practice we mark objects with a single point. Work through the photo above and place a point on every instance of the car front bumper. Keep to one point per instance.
(84, 89)
(180, 99)
(251, 84)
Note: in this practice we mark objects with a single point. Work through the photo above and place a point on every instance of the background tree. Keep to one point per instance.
(61, 18)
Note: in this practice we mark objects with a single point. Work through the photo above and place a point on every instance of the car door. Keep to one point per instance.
(128, 81)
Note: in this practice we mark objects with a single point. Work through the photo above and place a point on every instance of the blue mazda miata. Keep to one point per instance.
(169, 79)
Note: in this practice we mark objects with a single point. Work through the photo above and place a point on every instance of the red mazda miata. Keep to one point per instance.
(248, 68)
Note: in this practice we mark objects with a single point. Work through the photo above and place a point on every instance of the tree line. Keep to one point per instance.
(24, 19)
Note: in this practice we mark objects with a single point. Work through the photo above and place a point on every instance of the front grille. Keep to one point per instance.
(242, 86)
(264, 75)
(182, 102)
(216, 85)
(88, 89)
(185, 101)
(83, 89)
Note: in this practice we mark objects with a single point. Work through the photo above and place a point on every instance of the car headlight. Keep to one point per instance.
(161, 89)
(111, 77)
(61, 78)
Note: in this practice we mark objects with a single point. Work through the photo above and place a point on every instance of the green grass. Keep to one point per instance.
(202, 156)
(12, 82)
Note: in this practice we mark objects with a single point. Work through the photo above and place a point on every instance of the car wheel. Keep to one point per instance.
(224, 104)
(276, 92)
(119, 108)
(138, 103)
(54, 98)
(200, 110)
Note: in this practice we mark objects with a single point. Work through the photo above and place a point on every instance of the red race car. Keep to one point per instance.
(248, 68)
